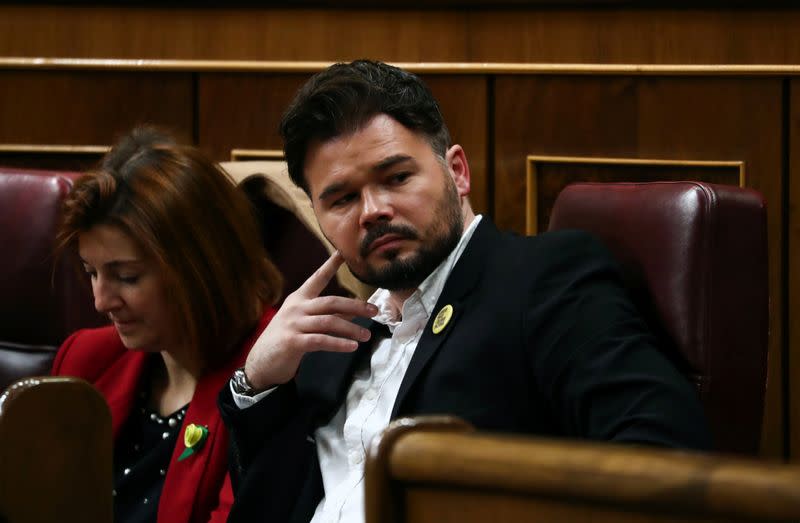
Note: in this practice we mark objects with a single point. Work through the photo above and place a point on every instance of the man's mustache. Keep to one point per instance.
(382, 229)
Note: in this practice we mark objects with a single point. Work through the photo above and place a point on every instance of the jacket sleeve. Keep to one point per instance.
(61, 355)
(603, 371)
(251, 429)
(272, 462)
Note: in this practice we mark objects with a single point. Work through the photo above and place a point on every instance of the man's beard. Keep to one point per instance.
(408, 273)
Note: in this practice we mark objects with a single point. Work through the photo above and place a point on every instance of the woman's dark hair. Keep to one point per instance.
(187, 215)
(344, 97)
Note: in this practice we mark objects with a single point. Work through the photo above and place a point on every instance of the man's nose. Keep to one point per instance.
(375, 206)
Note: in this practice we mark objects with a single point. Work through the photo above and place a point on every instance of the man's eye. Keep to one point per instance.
(400, 177)
(130, 280)
(347, 198)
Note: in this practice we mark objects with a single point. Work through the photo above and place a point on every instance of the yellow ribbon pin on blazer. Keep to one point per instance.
(193, 439)
(442, 319)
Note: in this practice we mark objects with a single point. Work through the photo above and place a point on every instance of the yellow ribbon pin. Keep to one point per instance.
(442, 319)
(193, 439)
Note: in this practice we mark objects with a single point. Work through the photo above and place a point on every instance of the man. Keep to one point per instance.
(513, 334)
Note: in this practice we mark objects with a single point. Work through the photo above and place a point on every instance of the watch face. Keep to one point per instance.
(240, 384)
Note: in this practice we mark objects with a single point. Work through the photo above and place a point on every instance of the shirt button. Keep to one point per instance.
(355, 458)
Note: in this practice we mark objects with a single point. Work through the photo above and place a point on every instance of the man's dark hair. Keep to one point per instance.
(344, 97)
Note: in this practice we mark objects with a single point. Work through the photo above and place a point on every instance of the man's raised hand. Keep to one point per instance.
(306, 322)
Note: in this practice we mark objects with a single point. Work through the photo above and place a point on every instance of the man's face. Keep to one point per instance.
(387, 202)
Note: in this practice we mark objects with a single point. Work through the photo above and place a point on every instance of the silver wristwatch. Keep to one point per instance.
(241, 385)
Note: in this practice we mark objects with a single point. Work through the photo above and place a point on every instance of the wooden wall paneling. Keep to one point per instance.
(243, 111)
(556, 116)
(90, 107)
(793, 259)
(57, 157)
(463, 100)
(233, 33)
(701, 118)
(635, 35)
(580, 34)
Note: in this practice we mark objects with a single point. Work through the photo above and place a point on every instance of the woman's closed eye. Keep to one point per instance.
(128, 279)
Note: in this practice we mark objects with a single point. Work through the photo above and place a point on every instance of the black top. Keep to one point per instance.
(141, 458)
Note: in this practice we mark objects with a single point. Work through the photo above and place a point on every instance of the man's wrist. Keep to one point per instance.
(241, 384)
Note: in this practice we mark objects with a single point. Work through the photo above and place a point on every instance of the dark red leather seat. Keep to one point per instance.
(695, 258)
(38, 307)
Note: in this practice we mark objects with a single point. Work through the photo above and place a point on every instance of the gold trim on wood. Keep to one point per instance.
(466, 68)
(532, 182)
(241, 155)
(53, 149)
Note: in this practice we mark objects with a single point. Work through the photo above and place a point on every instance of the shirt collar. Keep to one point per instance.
(429, 290)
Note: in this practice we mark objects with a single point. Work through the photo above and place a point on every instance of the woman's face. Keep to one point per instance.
(128, 287)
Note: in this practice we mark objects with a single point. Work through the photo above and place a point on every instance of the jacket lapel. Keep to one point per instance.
(462, 280)
(182, 485)
(325, 377)
(120, 384)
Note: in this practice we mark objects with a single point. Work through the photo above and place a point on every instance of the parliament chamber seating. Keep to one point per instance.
(694, 256)
(43, 299)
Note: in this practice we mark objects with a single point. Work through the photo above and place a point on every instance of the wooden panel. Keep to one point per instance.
(243, 111)
(436, 504)
(55, 157)
(631, 35)
(617, 34)
(55, 438)
(90, 108)
(463, 101)
(232, 33)
(654, 117)
(793, 285)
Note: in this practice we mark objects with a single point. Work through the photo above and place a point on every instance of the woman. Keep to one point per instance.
(176, 262)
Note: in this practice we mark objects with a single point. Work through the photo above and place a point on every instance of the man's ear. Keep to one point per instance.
(457, 166)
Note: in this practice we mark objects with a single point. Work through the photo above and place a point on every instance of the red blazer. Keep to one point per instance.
(198, 488)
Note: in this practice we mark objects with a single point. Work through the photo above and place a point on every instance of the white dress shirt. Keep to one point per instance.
(342, 443)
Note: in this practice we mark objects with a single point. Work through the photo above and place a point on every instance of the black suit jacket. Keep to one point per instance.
(543, 340)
